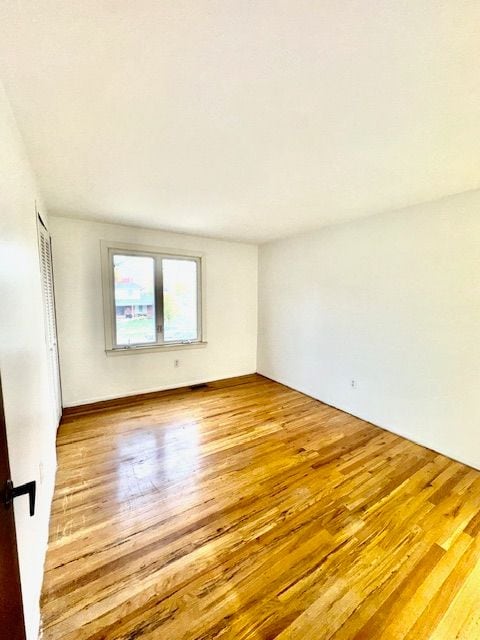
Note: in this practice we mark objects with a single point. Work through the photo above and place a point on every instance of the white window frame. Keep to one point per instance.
(108, 249)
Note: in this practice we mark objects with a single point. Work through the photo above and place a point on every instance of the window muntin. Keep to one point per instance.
(154, 299)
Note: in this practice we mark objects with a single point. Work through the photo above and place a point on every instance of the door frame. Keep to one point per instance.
(12, 620)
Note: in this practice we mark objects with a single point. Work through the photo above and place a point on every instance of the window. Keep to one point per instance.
(152, 299)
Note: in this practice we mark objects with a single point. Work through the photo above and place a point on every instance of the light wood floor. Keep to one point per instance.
(254, 512)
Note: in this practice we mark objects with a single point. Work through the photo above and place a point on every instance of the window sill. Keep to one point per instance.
(177, 346)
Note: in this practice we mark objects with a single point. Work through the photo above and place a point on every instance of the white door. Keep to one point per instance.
(45, 249)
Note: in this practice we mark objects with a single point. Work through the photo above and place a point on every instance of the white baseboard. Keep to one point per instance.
(168, 387)
(398, 432)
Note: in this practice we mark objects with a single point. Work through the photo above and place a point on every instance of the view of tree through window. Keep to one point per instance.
(134, 278)
(179, 299)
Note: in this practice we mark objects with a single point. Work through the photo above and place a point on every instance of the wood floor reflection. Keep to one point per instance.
(251, 511)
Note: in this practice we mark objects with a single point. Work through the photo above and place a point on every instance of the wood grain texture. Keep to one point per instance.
(130, 401)
(250, 511)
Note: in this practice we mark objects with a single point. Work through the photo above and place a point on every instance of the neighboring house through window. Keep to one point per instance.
(152, 298)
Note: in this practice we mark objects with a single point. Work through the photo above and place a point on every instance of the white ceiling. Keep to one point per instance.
(245, 119)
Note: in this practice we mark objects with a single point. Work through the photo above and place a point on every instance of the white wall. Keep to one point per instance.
(88, 374)
(392, 302)
(29, 409)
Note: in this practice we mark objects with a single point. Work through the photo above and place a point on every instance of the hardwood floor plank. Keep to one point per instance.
(246, 510)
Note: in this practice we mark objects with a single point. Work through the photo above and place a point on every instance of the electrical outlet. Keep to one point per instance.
(353, 384)
(176, 363)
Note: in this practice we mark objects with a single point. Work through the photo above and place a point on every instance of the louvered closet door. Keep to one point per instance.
(49, 307)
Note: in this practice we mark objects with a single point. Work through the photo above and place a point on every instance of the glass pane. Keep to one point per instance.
(134, 299)
(179, 300)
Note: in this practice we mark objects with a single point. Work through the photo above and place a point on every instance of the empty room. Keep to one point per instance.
(240, 328)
